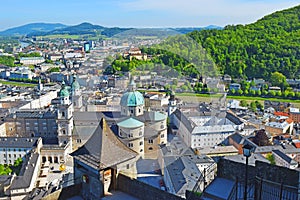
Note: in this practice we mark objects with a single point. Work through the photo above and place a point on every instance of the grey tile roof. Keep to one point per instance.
(103, 149)
(180, 116)
(36, 114)
(26, 173)
(18, 142)
(283, 156)
(175, 169)
(234, 119)
(87, 118)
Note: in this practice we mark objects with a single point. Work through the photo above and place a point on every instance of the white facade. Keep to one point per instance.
(200, 132)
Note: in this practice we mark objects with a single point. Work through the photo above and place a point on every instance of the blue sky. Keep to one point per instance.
(139, 13)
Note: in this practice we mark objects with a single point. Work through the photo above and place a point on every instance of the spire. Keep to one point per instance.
(132, 85)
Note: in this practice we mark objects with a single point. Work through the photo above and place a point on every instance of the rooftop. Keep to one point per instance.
(26, 173)
(103, 149)
(18, 142)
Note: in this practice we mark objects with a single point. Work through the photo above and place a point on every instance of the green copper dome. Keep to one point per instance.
(64, 92)
(75, 85)
(133, 98)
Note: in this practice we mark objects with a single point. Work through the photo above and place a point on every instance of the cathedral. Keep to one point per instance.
(140, 130)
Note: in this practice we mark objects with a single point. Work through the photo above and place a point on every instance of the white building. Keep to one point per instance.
(12, 148)
(202, 131)
(283, 160)
(31, 60)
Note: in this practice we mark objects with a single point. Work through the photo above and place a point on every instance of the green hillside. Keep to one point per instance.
(259, 49)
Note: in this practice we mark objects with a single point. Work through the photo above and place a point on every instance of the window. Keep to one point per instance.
(130, 135)
(78, 140)
(63, 114)
(127, 166)
(162, 136)
(140, 133)
(141, 150)
(150, 141)
(162, 126)
(130, 145)
(141, 143)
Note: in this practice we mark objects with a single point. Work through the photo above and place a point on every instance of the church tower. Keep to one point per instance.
(172, 104)
(64, 117)
(76, 96)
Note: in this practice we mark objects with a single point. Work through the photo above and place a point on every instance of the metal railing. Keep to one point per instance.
(261, 189)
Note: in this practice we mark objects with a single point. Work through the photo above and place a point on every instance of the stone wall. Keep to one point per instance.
(143, 191)
(232, 170)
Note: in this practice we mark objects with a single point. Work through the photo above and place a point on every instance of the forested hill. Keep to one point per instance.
(256, 50)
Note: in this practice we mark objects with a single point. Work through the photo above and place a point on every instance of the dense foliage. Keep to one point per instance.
(32, 54)
(7, 61)
(176, 56)
(257, 50)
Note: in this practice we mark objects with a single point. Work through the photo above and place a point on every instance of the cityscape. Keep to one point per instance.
(142, 106)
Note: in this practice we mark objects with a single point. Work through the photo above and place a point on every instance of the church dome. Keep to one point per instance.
(132, 98)
(64, 92)
(75, 85)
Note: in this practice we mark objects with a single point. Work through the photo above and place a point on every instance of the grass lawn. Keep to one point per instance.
(63, 36)
(18, 84)
(193, 97)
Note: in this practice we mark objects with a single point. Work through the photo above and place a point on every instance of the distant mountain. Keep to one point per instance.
(191, 29)
(43, 29)
(31, 28)
(84, 29)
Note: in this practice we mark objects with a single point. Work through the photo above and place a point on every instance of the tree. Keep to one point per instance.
(253, 106)
(243, 103)
(270, 157)
(18, 162)
(258, 105)
(240, 92)
(261, 138)
(53, 69)
(278, 79)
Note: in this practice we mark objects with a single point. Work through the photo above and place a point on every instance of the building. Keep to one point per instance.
(278, 106)
(280, 127)
(283, 160)
(201, 131)
(55, 56)
(12, 148)
(22, 73)
(24, 183)
(238, 141)
(183, 169)
(143, 131)
(31, 60)
(295, 115)
(53, 124)
(235, 86)
(135, 53)
(99, 160)
(76, 96)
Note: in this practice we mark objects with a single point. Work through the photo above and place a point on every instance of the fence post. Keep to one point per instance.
(236, 188)
(281, 191)
(260, 188)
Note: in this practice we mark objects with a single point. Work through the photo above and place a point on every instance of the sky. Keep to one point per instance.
(138, 13)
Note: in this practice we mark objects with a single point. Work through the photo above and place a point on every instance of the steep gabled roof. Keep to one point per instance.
(103, 149)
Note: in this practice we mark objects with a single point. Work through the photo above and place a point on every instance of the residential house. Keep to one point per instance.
(283, 160)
